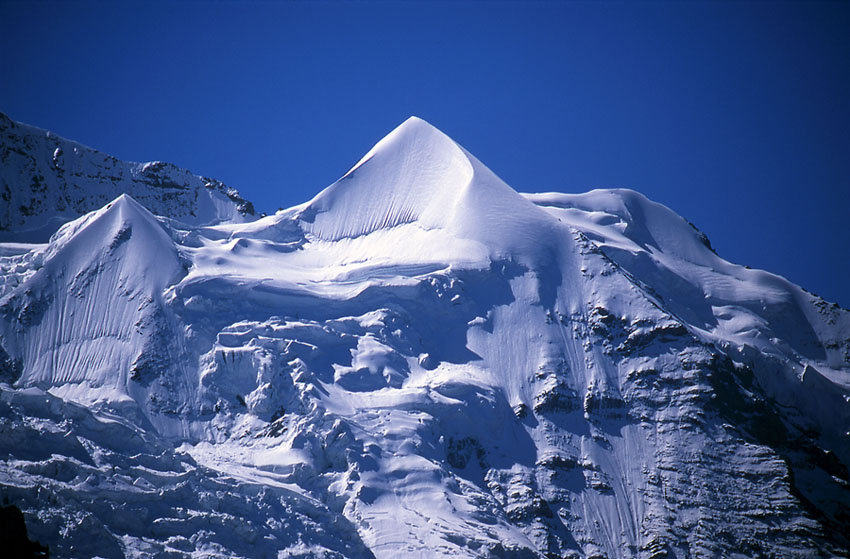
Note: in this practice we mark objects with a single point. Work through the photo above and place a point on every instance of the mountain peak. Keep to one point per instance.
(415, 140)
(413, 122)
(416, 173)
(122, 212)
(108, 268)
(416, 125)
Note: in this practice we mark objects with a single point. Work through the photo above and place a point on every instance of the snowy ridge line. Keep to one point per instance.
(46, 181)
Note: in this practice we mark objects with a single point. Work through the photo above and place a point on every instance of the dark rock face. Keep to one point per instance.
(46, 181)
(14, 540)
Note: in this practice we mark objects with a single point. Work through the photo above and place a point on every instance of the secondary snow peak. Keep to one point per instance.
(103, 230)
(107, 270)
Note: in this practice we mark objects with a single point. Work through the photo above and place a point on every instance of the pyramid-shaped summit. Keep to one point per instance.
(414, 174)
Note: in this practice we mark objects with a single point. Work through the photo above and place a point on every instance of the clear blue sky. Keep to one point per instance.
(735, 115)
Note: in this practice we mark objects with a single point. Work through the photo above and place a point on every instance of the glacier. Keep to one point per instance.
(418, 362)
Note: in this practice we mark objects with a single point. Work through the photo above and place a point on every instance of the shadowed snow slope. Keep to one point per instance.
(419, 362)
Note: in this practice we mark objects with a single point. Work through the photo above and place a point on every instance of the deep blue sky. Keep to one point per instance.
(737, 116)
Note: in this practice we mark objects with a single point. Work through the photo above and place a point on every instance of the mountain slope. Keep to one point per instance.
(93, 309)
(423, 363)
(46, 181)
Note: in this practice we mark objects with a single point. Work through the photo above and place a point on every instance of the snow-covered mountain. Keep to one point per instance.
(419, 362)
(46, 181)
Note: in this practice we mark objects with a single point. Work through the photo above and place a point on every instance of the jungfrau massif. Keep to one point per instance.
(419, 362)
